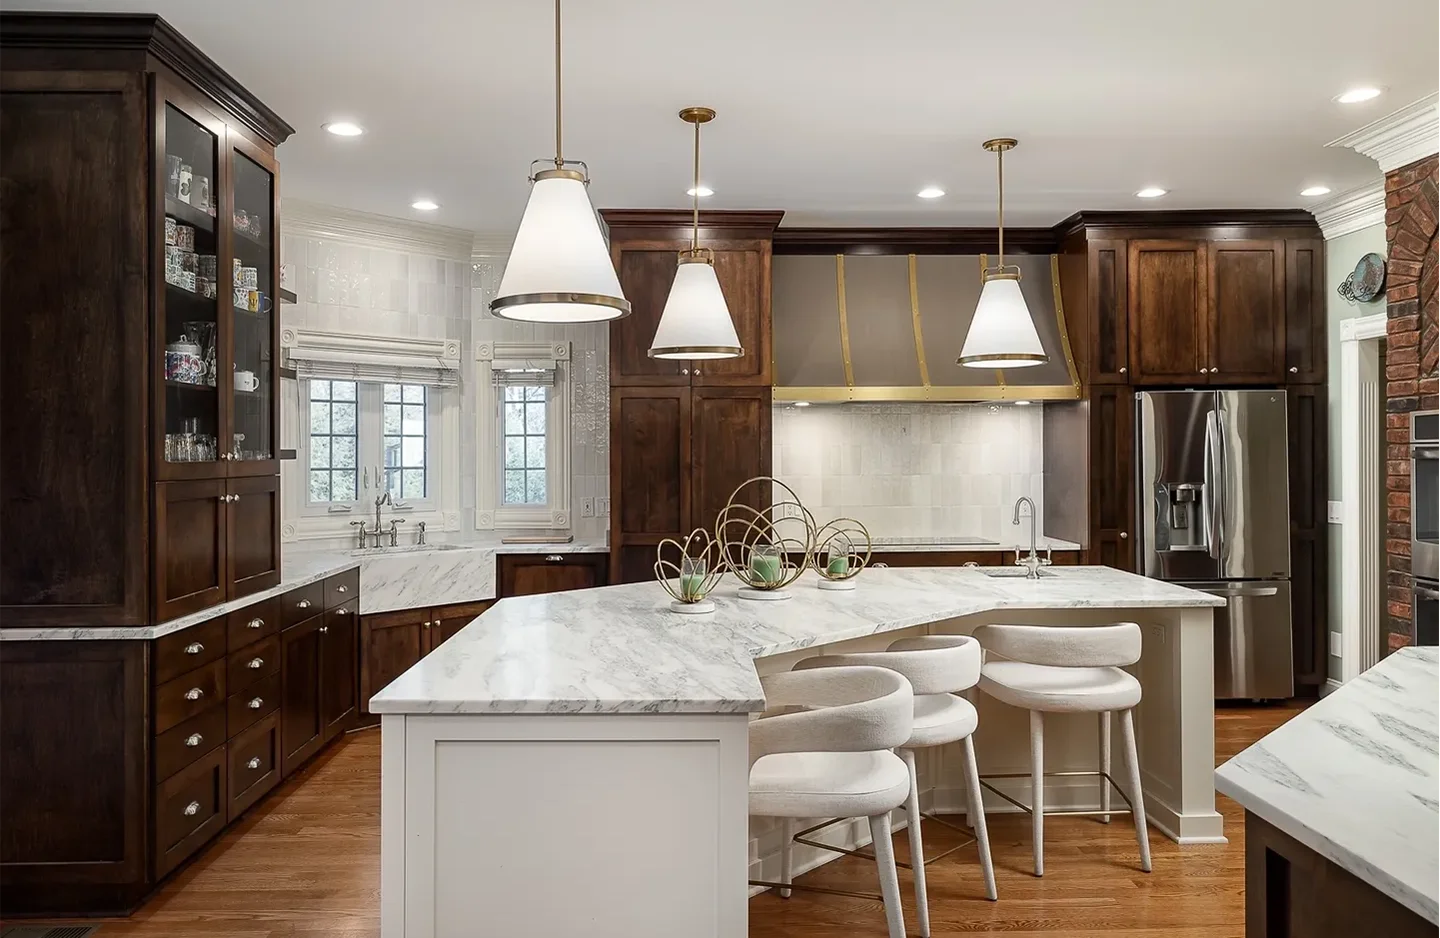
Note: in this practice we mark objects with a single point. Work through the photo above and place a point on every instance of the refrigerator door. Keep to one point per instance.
(1253, 657)
(1177, 478)
(1251, 499)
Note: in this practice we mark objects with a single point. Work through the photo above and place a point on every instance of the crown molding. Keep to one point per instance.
(1352, 211)
(316, 220)
(1398, 139)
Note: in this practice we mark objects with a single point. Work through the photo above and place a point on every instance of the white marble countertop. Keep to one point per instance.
(901, 545)
(619, 649)
(1355, 777)
(295, 571)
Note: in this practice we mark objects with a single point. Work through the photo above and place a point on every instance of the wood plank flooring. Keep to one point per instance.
(307, 865)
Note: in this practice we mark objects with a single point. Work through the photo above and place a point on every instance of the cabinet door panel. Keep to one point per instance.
(301, 732)
(649, 453)
(390, 644)
(1309, 530)
(1247, 310)
(189, 810)
(1169, 333)
(745, 280)
(1109, 318)
(730, 433)
(251, 380)
(338, 669)
(254, 534)
(190, 547)
(254, 767)
(528, 574)
(1112, 508)
(447, 620)
(646, 273)
(1305, 346)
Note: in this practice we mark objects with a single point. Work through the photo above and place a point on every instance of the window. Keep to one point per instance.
(405, 432)
(333, 441)
(365, 439)
(523, 430)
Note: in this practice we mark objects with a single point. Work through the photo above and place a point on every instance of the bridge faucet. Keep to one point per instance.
(383, 499)
(1031, 563)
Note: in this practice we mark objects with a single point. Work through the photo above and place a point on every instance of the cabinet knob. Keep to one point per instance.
(1214, 371)
(343, 611)
(342, 589)
(1124, 535)
(303, 604)
(194, 693)
(1124, 370)
(255, 664)
(554, 558)
(324, 629)
(254, 763)
(696, 371)
(194, 648)
(255, 623)
(1204, 371)
(684, 371)
(425, 625)
(192, 809)
(193, 740)
(235, 497)
(256, 703)
(1294, 370)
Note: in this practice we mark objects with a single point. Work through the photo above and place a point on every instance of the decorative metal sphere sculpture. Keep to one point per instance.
(842, 550)
(758, 543)
(700, 566)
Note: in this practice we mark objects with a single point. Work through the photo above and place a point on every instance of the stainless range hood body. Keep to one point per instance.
(864, 327)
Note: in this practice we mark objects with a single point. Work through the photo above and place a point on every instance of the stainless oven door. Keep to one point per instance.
(1253, 654)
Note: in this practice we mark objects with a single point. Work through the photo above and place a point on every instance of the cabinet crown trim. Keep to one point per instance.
(1351, 211)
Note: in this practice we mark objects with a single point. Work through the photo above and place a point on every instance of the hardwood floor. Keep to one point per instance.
(307, 865)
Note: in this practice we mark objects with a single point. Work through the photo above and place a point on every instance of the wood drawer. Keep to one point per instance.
(254, 764)
(258, 700)
(183, 744)
(253, 622)
(188, 695)
(188, 649)
(342, 587)
(300, 604)
(249, 664)
(189, 810)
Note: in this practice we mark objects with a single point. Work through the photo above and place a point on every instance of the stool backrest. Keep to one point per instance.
(855, 710)
(934, 664)
(1062, 646)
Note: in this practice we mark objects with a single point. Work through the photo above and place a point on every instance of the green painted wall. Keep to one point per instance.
(1341, 254)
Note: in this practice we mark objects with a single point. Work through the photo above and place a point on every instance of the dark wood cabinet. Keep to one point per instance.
(729, 444)
(393, 642)
(1246, 311)
(1305, 341)
(1168, 329)
(252, 535)
(1109, 319)
(338, 670)
(302, 728)
(190, 546)
(447, 620)
(528, 574)
(1112, 477)
(1309, 532)
(190, 808)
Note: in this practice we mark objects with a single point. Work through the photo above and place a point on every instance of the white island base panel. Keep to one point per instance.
(635, 824)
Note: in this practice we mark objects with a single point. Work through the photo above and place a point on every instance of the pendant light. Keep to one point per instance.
(1002, 334)
(559, 268)
(696, 323)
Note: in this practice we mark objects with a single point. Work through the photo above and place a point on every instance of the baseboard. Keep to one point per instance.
(1329, 687)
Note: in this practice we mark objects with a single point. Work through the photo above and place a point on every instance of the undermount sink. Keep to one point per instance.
(1018, 573)
(403, 549)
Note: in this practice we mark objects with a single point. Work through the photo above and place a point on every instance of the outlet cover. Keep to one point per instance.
(602, 506)
(587, 507)
(1333, 512)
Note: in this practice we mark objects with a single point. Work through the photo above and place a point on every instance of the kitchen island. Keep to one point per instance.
(577, 763)
(1341, 816)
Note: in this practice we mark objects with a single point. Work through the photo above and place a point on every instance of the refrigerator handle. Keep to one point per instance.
(1212, 484)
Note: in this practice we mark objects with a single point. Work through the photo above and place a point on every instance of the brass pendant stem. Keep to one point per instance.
(695, 230)
(1000, 171)
(559, 159)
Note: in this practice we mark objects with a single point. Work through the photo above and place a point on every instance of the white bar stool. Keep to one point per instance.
(938, 667)
(1058, 669)
(834, 760)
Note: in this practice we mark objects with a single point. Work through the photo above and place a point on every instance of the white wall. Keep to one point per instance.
(1341, 254)
(362, 273)
(913, 470)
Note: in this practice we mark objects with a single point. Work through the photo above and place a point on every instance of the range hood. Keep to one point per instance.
(864, 327)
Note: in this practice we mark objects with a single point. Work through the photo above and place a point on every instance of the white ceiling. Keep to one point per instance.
(837, 111)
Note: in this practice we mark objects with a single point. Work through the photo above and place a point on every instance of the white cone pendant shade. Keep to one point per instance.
(559, 268)
(696, 323)
(1002, 334)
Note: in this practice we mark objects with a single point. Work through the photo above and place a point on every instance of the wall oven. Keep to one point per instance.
(1424, 520)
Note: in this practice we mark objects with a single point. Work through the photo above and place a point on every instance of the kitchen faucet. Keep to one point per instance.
(1031, 563)
(382, 499)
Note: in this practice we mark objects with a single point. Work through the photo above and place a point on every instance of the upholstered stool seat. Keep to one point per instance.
(941, 719)
(1058, 690)
(815, 784)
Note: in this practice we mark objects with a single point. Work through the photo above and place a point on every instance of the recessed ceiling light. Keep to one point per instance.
(1022, 403)
(802, 403)
(424, 205)
(1356, 95)
(344, 128)
(1315, 190)
(703, 192)
(1151, 192)
(931, 192)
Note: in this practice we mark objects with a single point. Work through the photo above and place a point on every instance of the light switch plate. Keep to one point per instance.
(587, 507)
(602, 505)
(1333, 512)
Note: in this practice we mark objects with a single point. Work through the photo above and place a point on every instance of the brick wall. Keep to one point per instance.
(1410, 358)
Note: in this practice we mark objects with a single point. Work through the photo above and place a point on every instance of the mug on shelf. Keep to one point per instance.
(246, 381)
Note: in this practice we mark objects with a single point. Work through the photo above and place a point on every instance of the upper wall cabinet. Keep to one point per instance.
(1246, 311)
(1305, 343)
(1109, 339)
(1169, 332)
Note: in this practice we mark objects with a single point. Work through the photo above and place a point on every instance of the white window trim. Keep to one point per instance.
(490, 512)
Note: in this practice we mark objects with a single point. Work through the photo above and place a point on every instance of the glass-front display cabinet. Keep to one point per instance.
(255, 276)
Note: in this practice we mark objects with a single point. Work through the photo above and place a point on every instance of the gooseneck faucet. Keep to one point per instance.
(1031, 563)
(382, 499)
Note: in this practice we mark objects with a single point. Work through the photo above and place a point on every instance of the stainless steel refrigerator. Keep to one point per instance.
(1214, 511)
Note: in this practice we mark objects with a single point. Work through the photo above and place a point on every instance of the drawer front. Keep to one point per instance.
(256, 701)
(188, 649)
(254, 622)
(249, 664)
(181, 745)
(189, 694)
(342, 587)
(254, 764)
(298, 605)
(189, 809)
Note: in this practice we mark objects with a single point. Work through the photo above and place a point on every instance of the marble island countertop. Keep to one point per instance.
(1355, 776)
(619, 649)
(961, 544)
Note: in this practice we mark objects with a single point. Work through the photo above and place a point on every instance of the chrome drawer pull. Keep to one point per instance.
(342, 589)
(254, 763)
(194, 648)
(303, 604)
(194, 693)
(255, 703)
(344, 611)
(324, 629)
(255, 623)
(192, 809)
(193, 740)
(255, 664)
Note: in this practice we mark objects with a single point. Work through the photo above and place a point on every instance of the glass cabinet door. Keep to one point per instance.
(189, 303)
(255, 279)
